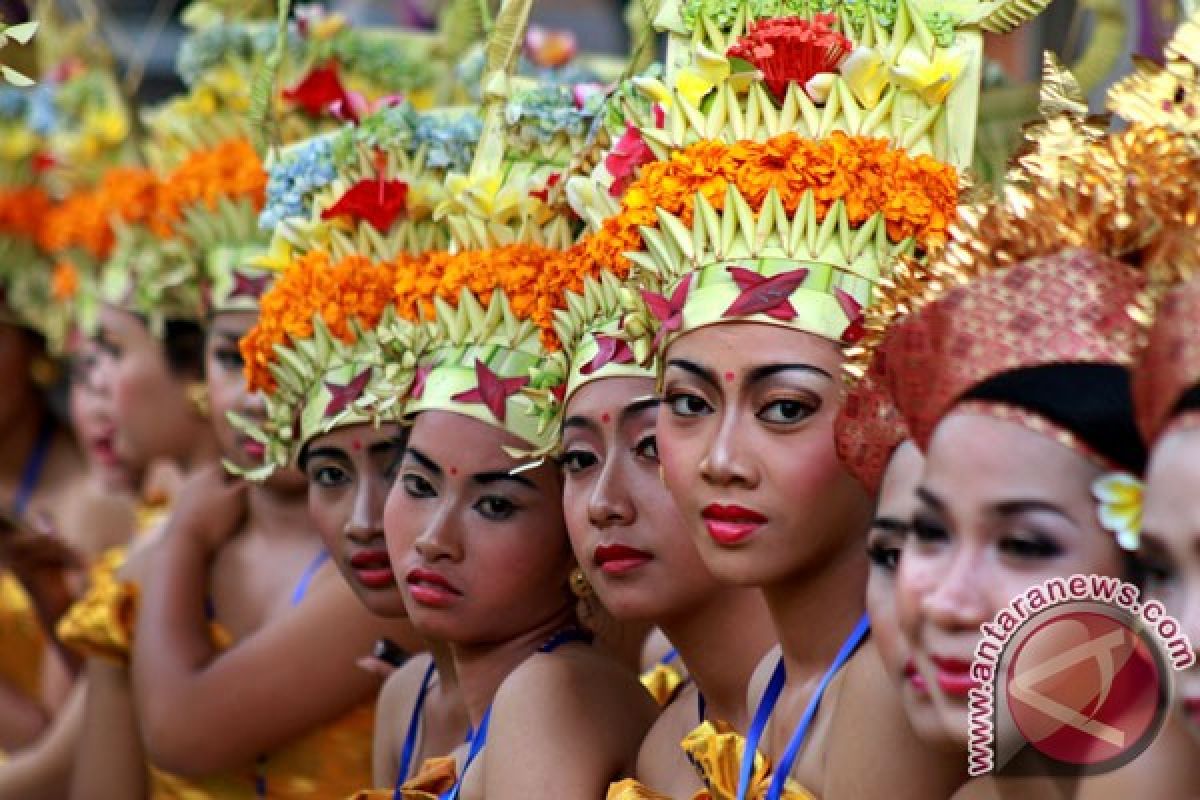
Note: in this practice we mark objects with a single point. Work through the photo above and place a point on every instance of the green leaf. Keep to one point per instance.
(14, 77)
(22, 33)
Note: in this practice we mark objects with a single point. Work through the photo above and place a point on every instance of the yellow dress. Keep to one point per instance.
(663, 682)
(434, 776)
(332, 761)
(22, 644)
(716, 751)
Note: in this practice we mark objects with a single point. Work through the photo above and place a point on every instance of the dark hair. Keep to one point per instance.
(183, 345)
(1188, 401)
(1092, 401)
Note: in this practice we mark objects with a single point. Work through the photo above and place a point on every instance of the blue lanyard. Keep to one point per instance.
(306, 579)
(410, 738)
(32, 473)
(767, 705)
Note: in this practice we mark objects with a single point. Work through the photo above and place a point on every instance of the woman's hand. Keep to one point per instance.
(209, 508)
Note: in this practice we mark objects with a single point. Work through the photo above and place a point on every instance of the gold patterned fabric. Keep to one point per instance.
(22, 644)
(100, 624)
(716, 750)
(629, 789)
(332, 761)
(663, 682)
(434, 776)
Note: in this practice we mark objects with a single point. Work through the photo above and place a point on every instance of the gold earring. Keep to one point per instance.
(579, 584)
(44, 372)
(197, 395)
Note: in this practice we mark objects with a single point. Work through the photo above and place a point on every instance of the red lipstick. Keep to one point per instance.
(373, 569)
(954, 676)
(915, 678)
(431, 588)
(104, 451)
(254, 449)
(731, 525)
(618, 559)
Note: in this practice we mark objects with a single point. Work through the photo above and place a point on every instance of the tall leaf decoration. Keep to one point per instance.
(639, 18)
(461, 24)
(261, 123)
(505, 42)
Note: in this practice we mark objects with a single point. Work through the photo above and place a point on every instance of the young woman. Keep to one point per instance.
(350, 457)
(633, 548)
(1018, 383)
(476, 531)
(1167, 399)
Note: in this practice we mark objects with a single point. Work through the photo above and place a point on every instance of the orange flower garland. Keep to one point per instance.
(64, 283)
(84, 219)
(917, 196)
(22, 211)
(232, 170)
(353, 288)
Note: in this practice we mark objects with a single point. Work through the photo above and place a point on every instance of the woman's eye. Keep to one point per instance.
(416, 486)
(885, 556)
(928, 531)
(1031, 545)
(786, 412)
(576, 461)
(647, 447)
(229, 358)
(328, 477)
(496, 509)
(687, 405)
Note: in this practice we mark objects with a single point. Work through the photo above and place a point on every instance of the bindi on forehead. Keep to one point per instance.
(606, 417)
(729, 376)
(454, 470)
(356, 444)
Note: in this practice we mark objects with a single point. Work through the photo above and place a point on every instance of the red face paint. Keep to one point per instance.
(729, 376)
(356, 444)
(605, 417)
(454, 470)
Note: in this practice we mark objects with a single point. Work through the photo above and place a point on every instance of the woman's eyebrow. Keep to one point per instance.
(770, 370)
(425, 461)
(703, 373)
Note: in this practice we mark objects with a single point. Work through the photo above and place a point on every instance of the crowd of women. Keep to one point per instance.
(453, 415)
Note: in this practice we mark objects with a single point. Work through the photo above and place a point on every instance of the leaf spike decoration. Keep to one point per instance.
(505, 41)
(611, 351)
(762, 295)
(261, 93)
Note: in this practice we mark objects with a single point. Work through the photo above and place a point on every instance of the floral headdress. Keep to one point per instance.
(59, 137)
(329, 350)
(787, 159)
(489, 356)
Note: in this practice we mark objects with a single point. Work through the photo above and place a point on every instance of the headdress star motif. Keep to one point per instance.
(492, 390)
(343, 396)
(762, 295)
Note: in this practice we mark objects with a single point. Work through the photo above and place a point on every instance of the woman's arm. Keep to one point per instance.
(43, 772)
(22, 719)
(110, 761)
(393, 711)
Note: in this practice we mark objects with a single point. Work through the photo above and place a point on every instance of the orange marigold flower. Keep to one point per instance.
(916, 195)
(231, 170)
(22, 211)
(64, 283)
(354, 288)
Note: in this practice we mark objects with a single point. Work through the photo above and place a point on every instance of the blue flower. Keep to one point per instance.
(293, 179)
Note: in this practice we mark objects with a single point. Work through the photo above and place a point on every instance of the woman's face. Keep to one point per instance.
(1170, 546)
(745, 437)
(350, 472)
(628, 536)
(94, 423)
(153, 416)
(478, 539)
(885, 541)
(224, 373)
(1000, 509)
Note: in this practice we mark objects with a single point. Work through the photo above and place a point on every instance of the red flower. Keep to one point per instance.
(321, 92)
(543, 194)
(629, 153)
(43, 161)
(792, 50)
(376, 201)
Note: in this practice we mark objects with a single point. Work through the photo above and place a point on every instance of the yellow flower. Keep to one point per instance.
(932, 79)
(655, 90)
(326, 26)
(865, 75)
(1119, 499)
(486, 197)
(278, 256)
(17, 143)
(708, 72)
(108, 125)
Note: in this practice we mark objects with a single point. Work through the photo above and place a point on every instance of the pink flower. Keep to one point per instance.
(629, 153)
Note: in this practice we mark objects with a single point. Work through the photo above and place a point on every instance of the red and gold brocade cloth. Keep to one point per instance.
(1068, 308)
(1169, 365)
